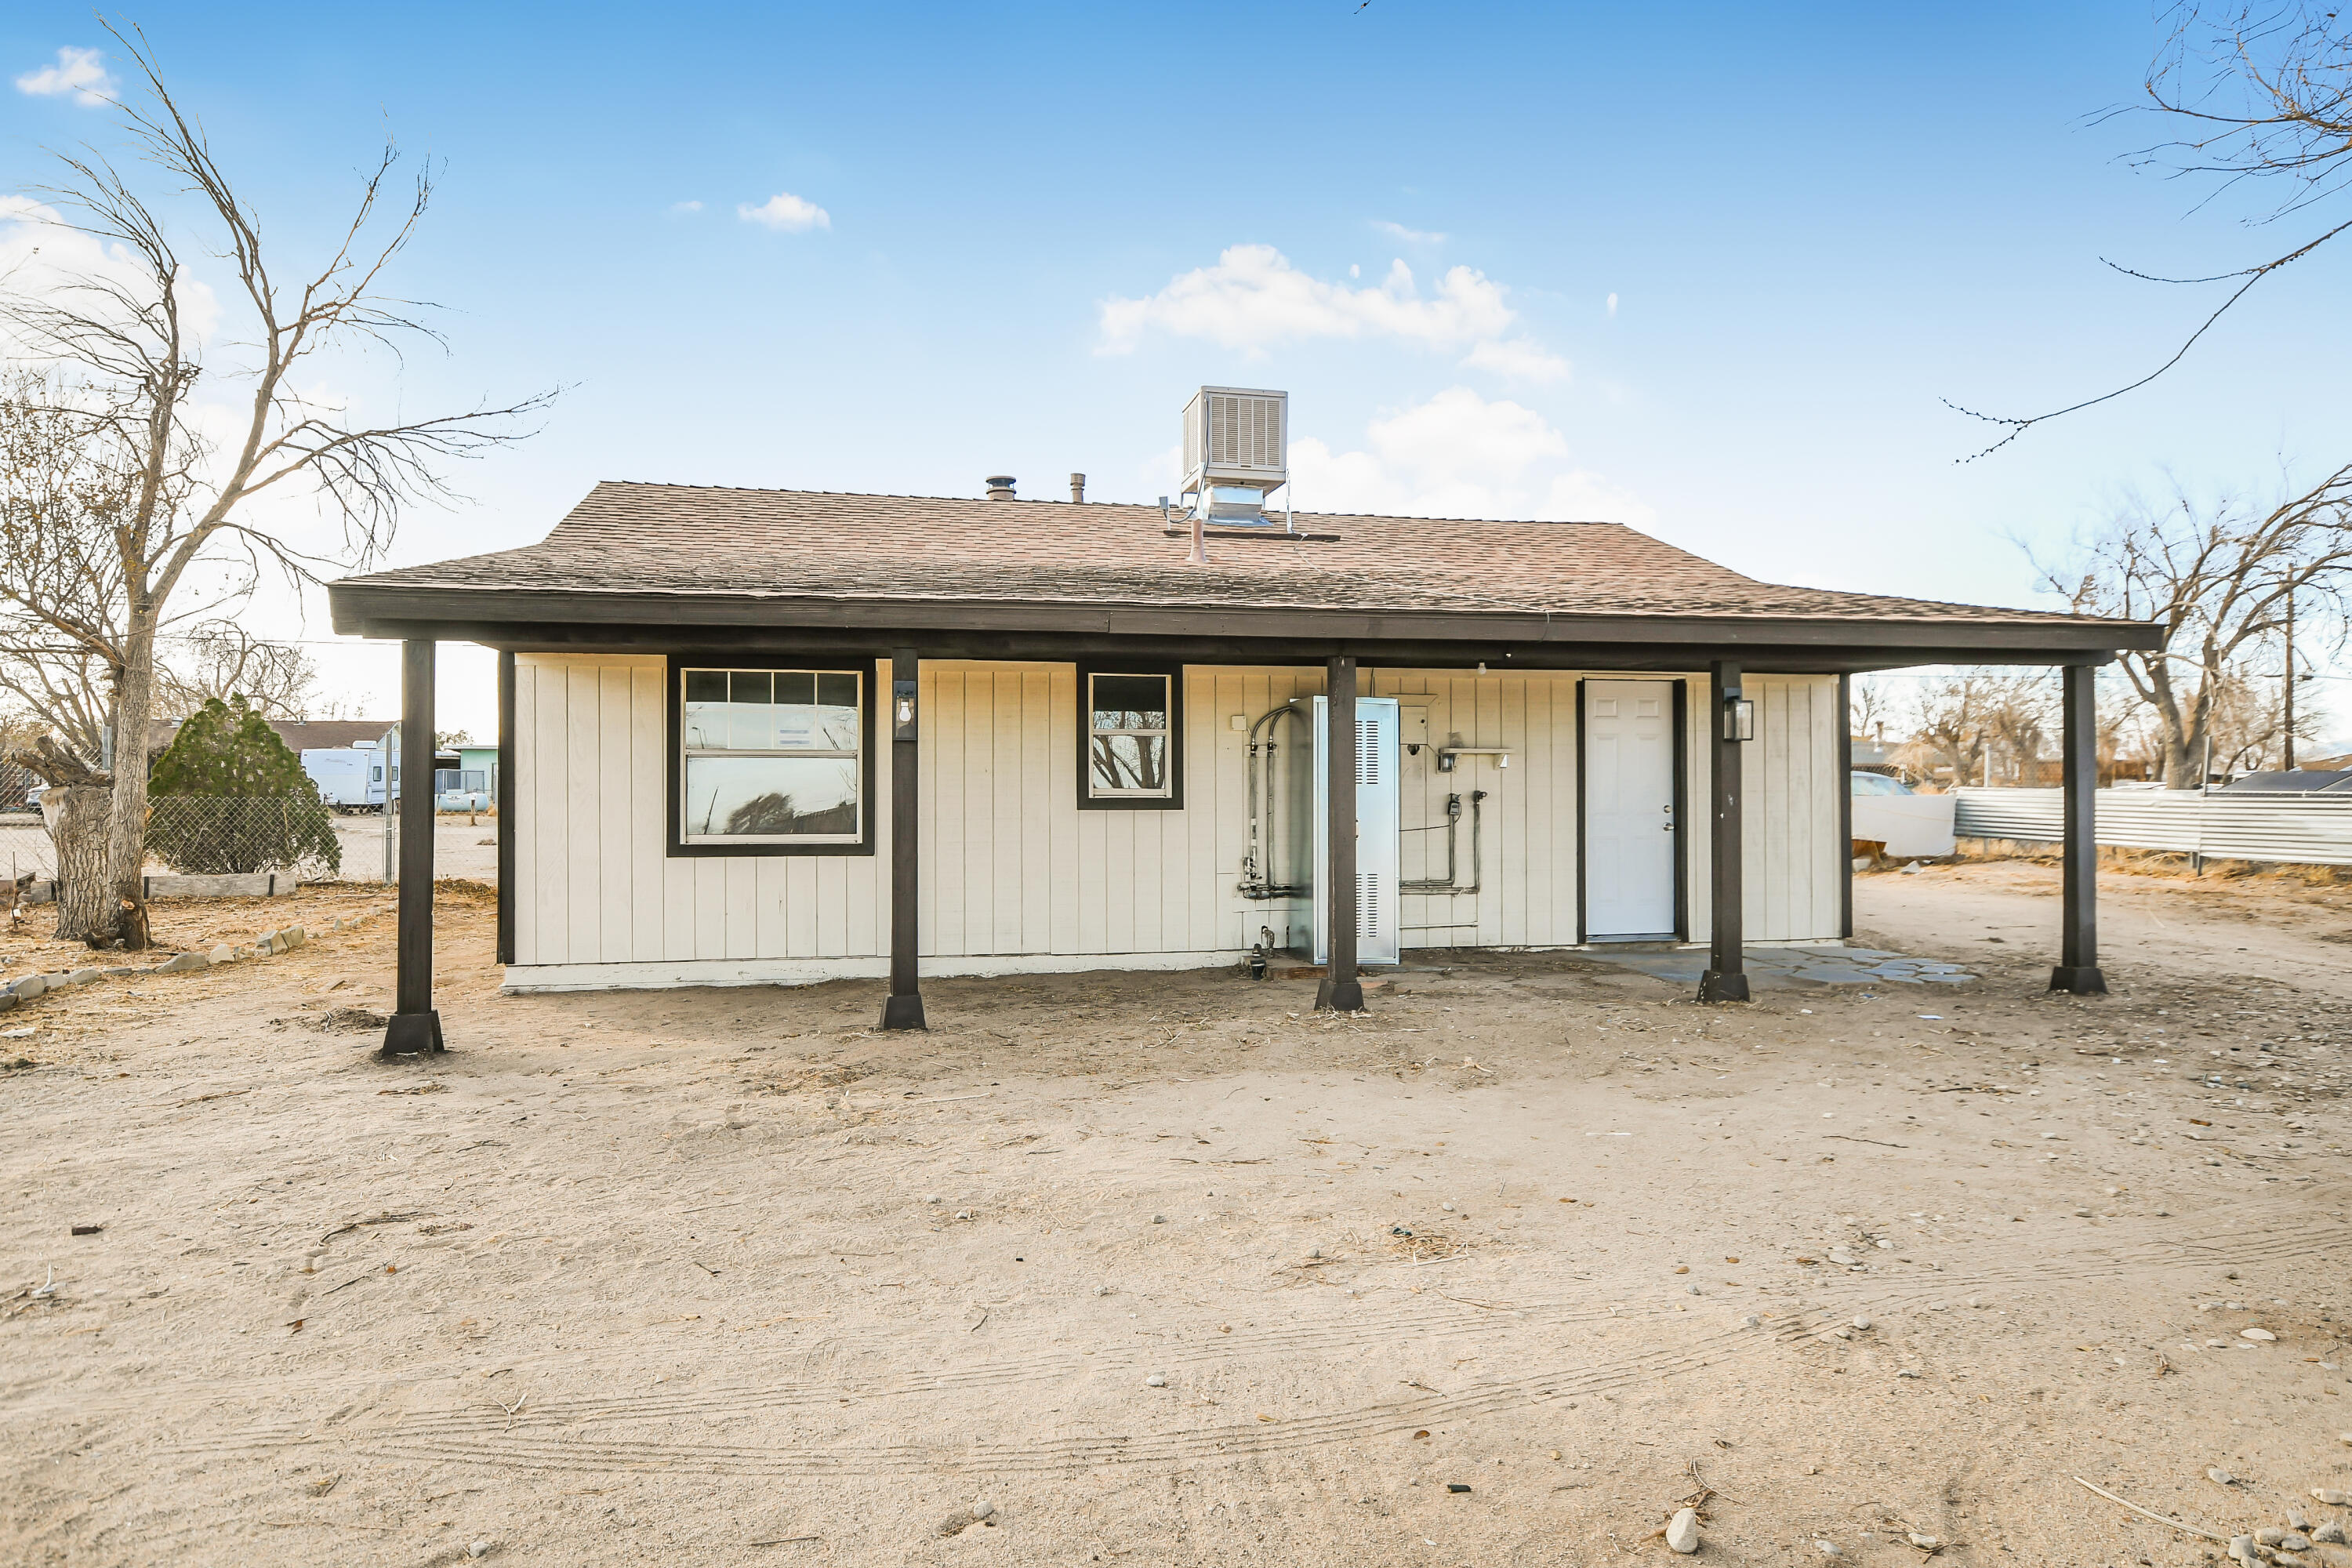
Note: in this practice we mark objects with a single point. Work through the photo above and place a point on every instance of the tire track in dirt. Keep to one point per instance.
(549, 1436)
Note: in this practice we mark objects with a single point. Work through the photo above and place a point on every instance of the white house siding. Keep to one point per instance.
(1792, 861)
(594, 885)
(1015, 876)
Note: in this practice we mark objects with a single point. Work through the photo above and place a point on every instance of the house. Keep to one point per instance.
(779, 736)
(300, 734)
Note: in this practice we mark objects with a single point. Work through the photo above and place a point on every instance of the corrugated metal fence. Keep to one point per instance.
(2226, 825)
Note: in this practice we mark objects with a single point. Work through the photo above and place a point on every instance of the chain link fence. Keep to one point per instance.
(210, 836)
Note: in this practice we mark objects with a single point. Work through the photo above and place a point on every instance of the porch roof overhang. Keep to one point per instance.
(607, 621)
(663, 567)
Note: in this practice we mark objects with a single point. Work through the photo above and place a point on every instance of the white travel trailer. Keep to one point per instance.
(350, 778)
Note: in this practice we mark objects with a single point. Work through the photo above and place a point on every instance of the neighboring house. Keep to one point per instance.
(786, 736)
(300, 734)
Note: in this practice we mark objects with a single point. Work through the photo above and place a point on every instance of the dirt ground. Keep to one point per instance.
(1169, 1269)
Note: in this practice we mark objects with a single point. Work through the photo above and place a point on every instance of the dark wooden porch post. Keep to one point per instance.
(414, 1027)
(1726, 979)
(904, 1009)
(2078, 945)
(1342, 992)
(506, 802)
(1845, 806)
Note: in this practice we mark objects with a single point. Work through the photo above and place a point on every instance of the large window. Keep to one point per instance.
(1130, 738)
(769, 759)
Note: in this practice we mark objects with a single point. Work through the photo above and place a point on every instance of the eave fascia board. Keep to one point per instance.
(385, 611)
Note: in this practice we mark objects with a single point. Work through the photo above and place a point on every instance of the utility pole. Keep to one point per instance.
(2289, 676)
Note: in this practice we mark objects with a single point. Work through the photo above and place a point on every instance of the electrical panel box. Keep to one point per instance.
(1379, 908)
(1412, 724)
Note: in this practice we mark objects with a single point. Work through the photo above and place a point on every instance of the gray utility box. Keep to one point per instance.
(1378, 909)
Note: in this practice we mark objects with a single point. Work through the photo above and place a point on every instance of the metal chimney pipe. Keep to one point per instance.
(1000, 487)
(1077, 490)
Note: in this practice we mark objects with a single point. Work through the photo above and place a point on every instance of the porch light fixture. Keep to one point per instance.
(902, 709)
(1738, 717)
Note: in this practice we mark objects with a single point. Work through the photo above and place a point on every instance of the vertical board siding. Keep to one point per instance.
(597, 885)
(1789, 823)
(1011, 866)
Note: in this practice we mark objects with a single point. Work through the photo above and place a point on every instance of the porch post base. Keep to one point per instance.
(1340, 996)
(411, 1034)
(1720, 985)
(2079, 980)
(903, 1012)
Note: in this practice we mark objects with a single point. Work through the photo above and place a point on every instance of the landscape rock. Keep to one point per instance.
(1925, 1542)
(2331, 1532)
(983, 1509)
(479, 1548)
(221, 954)
(2331, 1496)
(1682, 1533)
(32, 985)
(1155, 1380)
(2242, 1550)
(2293, 1541)
(2219, 1477)
(84, 977)
(1840, 1256)
(2260, 1336)
(2269, 1535)
(181, 962)
(1863, 1324)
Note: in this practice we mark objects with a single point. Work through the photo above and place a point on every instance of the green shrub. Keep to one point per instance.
(228, 796)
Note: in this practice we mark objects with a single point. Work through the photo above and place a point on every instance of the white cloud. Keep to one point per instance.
(786, 211)
(1518, 359)
(1254, 298)
(1613, 305)
(41, 253)
(77, 72)
(686, 206)
(1459, 455)
(1410, 236)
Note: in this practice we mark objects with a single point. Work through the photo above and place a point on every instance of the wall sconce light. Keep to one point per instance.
(902, 709)
(1738, 717)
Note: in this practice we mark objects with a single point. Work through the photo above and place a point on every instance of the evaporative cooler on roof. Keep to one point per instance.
(1236, 451)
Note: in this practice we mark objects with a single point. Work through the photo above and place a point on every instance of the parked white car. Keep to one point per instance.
(1912, 826)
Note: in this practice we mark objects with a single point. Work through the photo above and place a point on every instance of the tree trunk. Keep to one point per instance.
(77, 816)
(126, 839)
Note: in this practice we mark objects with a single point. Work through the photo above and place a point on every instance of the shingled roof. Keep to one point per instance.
(783, 549)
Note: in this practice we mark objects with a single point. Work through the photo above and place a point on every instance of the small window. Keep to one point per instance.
(1131, 739)
(769, 757)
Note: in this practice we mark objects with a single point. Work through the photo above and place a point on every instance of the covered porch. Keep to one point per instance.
(1713, 862)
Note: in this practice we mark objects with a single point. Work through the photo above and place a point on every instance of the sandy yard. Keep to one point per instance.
(1169, 1269)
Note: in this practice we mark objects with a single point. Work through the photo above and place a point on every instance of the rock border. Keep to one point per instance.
(268, 945)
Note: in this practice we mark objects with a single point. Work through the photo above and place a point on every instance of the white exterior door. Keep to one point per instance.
(1629, 808)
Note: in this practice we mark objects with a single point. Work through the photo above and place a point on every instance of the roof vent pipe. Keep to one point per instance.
(1000, 487)
(1077, 490)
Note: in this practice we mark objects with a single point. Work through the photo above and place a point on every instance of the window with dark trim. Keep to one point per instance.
(769, 761)
(1130, 738)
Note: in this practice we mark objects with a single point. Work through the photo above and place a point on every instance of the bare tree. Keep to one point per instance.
(125, 332)
(2018, 707)
(1948, 729)
(2261, 96)
(2217, 579)
(220, 658)
(62, 486)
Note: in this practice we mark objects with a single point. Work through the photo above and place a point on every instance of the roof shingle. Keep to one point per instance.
(641, 539)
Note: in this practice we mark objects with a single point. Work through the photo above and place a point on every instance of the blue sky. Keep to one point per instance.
(1720, 264)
